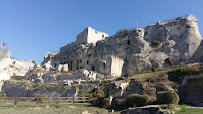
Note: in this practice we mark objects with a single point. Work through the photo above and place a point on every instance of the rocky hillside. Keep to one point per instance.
(161, 57)
(129, 52)
(13, 67)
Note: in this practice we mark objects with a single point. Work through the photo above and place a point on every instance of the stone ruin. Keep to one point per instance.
(129, 52)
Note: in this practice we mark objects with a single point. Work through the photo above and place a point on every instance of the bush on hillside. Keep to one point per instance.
(179, 18)
(119, 104)
(102, 102)
(155, 43)
(167, 97)
(33, 62)
(89, 95)
(167, 43)
(105, 103)
(98, 93)
(179, 74)
(137, 100)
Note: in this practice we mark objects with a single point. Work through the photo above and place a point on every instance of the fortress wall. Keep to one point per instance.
(88, 35)
(94, 36)
(4, 54)
(4, 59)
(4, 65)
(82, 37)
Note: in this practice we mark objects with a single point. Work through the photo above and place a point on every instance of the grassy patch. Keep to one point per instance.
(31, 108)
(189, 110)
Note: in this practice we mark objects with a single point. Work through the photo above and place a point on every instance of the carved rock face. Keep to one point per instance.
(140, 49)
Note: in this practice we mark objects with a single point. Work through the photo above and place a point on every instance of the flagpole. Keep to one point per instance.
(1, 45)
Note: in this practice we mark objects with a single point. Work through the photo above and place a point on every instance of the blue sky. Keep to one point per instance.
(34, 27)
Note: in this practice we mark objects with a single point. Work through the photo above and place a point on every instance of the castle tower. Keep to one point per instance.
(90, 35)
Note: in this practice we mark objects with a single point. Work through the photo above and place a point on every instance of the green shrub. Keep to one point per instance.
(155, 43)
(89, 95)
(98, 93)
(102, 102)
(137, 100)
(167, 97)
(33, 62)
(57, 106)
(167, 43)
(42, 95)
(150, 79)
(179, 74)
(119, 104)
(62, 70)
(81, 67)
(179, 18)
(105, 103)
(39, 70)
(97, 101)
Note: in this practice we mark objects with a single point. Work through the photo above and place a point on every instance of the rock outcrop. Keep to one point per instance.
(13, 67)
(96, 56)
(191, 90)
(146, 110)
(129, 52)
(25, 89)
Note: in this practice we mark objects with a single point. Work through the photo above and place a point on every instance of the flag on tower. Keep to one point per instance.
(4, 44)
(138, 24)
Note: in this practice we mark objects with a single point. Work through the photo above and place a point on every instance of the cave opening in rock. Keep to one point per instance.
(167, 63)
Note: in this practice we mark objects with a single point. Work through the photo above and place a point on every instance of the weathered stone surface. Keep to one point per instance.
(83, 74)
(21, 89)
(13, 67)
(129, 52)
(62, 67)
(147, 110)
(142, 110)
(198, 55)
(49, 77)
(15, 89)
(116, 89)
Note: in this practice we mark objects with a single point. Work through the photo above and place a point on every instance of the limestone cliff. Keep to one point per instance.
(13, 67)
(81, 66)
(129, 52)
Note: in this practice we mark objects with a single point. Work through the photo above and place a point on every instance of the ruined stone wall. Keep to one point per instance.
(4, 59)
(88, 35)
(10, 66)
(4, 64)
(94, 36)
(116, 66)
(82, 37)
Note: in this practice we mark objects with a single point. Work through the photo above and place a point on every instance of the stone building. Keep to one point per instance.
(87, 36)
